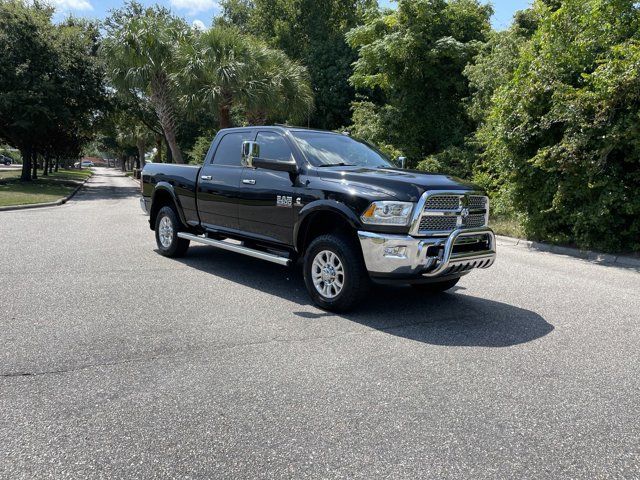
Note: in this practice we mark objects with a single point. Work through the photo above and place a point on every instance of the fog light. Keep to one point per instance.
(398, 252)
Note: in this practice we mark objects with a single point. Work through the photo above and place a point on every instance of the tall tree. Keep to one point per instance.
(414, 58)
(226, 69)
(141, 49)
(28, 58)
(51, 87)
(312, 32)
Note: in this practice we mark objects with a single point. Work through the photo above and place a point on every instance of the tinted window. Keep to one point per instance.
(273, 146)
(229, 151)
(327, 149)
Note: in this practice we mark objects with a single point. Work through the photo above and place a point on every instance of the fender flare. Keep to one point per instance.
(167, 187)
(332, 206)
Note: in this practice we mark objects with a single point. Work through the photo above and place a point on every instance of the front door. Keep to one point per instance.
(266, 206)
(219, 182)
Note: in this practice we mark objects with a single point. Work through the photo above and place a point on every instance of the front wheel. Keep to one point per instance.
(167, 224)
(334, 273)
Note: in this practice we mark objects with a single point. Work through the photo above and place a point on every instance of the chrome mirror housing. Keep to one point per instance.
(250, 150)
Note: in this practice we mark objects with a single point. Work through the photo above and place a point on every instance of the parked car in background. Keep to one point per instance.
(4, 160)
(85, 164)
(337, 204)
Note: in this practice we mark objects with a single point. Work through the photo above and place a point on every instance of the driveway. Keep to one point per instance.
(118, 362)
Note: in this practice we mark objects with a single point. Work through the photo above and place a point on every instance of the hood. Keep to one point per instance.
(405, 185)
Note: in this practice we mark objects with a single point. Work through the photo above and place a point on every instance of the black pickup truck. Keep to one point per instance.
(338, 205)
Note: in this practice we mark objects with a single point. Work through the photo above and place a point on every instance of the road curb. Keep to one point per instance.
(62, 201)
(596, 257)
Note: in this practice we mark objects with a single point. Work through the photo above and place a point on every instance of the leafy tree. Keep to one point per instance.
(80, 89)
(51, 86)
(373, 123)
(312, 32)
(28, 59)
(561, 134)
(495, 64)
(141, 50)
(415, 57)
(200, 148)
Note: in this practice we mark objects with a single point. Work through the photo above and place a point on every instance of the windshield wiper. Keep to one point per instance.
(341, 164)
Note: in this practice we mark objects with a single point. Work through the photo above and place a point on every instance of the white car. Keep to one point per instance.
(85, 164)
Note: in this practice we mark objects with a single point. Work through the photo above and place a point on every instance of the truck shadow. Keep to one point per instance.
(452, 319)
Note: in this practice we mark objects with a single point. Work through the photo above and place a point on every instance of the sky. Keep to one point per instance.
(202, 11)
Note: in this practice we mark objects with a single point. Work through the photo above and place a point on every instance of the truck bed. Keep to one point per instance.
(182, 178)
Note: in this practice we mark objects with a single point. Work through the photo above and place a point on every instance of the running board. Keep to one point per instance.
(250, 252)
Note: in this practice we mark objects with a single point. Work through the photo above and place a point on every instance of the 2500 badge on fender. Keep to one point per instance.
(284, 194)
(284, 201)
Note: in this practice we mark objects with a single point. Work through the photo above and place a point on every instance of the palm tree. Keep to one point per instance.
(142, 55)
(284, 92)
(225, 69)
(216, 71)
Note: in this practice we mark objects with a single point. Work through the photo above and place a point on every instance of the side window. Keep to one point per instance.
(229, 151)
(273, 146)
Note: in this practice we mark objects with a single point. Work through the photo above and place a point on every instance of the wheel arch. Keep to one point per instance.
(323, 217)
(164, 195)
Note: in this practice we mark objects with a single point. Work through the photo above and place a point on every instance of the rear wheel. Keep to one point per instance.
(334, 273)
(167, 228)
(436, 287)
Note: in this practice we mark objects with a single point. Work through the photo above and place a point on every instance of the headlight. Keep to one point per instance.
(388, 213)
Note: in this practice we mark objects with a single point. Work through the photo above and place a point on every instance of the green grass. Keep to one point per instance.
(43, 190)
(63, 174)
(508, 227)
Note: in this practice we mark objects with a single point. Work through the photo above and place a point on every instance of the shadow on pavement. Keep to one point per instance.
(444, 319)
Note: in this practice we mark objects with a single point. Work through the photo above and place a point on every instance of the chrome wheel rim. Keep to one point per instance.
(327, 274)
(165, 232)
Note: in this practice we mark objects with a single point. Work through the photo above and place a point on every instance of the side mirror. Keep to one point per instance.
(278, 165)
(402, 161)
(250, 150)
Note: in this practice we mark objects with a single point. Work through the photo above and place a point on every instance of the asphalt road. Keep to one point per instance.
(118, 362)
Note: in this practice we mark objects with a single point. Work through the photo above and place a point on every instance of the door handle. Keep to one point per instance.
(248, 182)
(206, 177)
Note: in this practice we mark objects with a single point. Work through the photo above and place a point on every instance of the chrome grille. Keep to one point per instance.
(477, 201)
(438, 224)
(442, 202)
(452, 202)
(443, 213)
(474, 220)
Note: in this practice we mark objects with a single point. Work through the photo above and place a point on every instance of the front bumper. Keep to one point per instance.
(402, 256)
(144, 205)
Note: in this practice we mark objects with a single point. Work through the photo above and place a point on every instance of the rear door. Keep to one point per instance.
(266, 206)
(219, 182)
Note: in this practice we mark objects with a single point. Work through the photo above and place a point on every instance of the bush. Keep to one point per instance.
(561, 139)
(452, 161)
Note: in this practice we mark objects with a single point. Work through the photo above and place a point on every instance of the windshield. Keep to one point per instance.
(329, 149)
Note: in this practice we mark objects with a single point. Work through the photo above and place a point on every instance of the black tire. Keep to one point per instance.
(436, 287)
(170, 245)
(355, 278)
